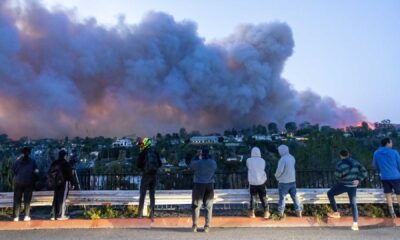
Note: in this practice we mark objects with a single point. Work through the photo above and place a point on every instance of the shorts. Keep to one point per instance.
(390, 185)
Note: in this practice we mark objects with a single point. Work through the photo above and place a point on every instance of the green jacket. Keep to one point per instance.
(348, 170)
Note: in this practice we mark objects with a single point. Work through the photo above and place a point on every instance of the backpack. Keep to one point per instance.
(55, 176)
(151, 163)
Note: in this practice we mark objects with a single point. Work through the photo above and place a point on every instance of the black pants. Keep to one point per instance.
(203, 193)
(261, 192)
(19, 191)
(148, 182)
(59, 200)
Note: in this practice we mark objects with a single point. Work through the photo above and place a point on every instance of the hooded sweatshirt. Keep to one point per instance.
(387, 163)
(256, 168)
(286, 172)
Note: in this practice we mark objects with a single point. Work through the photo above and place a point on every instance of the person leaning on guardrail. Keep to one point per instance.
(349, 173)
(25, 171)
(257, 180)
(387, 163)
(204, 168)
(286, 176)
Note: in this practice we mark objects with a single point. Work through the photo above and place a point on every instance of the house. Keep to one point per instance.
(182, 163)
(259, 137)
(238, 158)
(204, 140)
(122, 142)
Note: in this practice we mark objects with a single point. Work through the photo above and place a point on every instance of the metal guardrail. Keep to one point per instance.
(184, 197)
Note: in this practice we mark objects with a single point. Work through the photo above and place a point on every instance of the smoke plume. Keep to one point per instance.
(60, 76)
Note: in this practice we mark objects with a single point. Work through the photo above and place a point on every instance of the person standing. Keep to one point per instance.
(148, 162)
(60, 179)
(204, 169)
(25, 171)
(349, 173)
(257, 180)
(286, 176)
(387, 163)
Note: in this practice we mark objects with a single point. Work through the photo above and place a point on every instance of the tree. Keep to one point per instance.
(273, 127)
(182, 133)
(3, 138)
(291, 127)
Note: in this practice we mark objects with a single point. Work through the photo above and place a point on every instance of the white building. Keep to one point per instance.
(204, 140)
(122, 142)
(259, 137)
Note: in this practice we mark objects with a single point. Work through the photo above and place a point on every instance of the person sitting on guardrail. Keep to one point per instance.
(60, 179)
(148, 162)
(25, 171)
(204, 168)
(387, 163)
(257, 179)
(286, 176)
(349, 173)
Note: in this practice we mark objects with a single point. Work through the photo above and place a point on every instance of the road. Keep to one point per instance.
(220, 234)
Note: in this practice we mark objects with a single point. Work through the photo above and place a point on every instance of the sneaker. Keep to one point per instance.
(251, 214)
(334, 215)
(267, 214)
(206, 229)
(354, 227)
(16, 219)
(194, 228)
(392, 214)
(27, 219)
(63, 218)
(299, 214)
(52, 218)
(281, 216)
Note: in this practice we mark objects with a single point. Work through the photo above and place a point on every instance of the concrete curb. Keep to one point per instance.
(186, 222)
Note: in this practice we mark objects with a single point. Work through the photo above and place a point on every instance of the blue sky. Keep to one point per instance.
(349, 50)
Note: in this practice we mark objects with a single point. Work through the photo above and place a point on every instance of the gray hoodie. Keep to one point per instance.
(256, 168)
(286, 172)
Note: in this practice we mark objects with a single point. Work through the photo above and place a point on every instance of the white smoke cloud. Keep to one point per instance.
(62, 77)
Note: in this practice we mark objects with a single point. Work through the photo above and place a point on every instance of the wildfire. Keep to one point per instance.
(370, 125)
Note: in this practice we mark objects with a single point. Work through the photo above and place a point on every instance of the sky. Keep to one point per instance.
(348, 50)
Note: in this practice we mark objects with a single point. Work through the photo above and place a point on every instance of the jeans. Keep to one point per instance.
(26, 191)
(284, 189)
(147, 182)
(261, 192)
(203, 193)
(351, 191)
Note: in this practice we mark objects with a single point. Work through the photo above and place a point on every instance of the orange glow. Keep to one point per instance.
(370, 125)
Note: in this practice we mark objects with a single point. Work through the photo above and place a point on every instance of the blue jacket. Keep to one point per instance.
(387, 163)
(204, 170)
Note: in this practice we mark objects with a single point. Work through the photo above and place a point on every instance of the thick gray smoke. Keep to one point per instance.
(59, 76)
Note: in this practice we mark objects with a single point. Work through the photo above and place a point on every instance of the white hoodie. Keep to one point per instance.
(256, 168)
(286, 172)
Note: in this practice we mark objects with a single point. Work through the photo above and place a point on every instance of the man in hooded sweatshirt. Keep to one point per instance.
(286, 176)
(387, 163)
(257, 180)
(24, 170)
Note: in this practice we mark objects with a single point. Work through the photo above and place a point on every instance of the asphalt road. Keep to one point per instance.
(220, 234)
